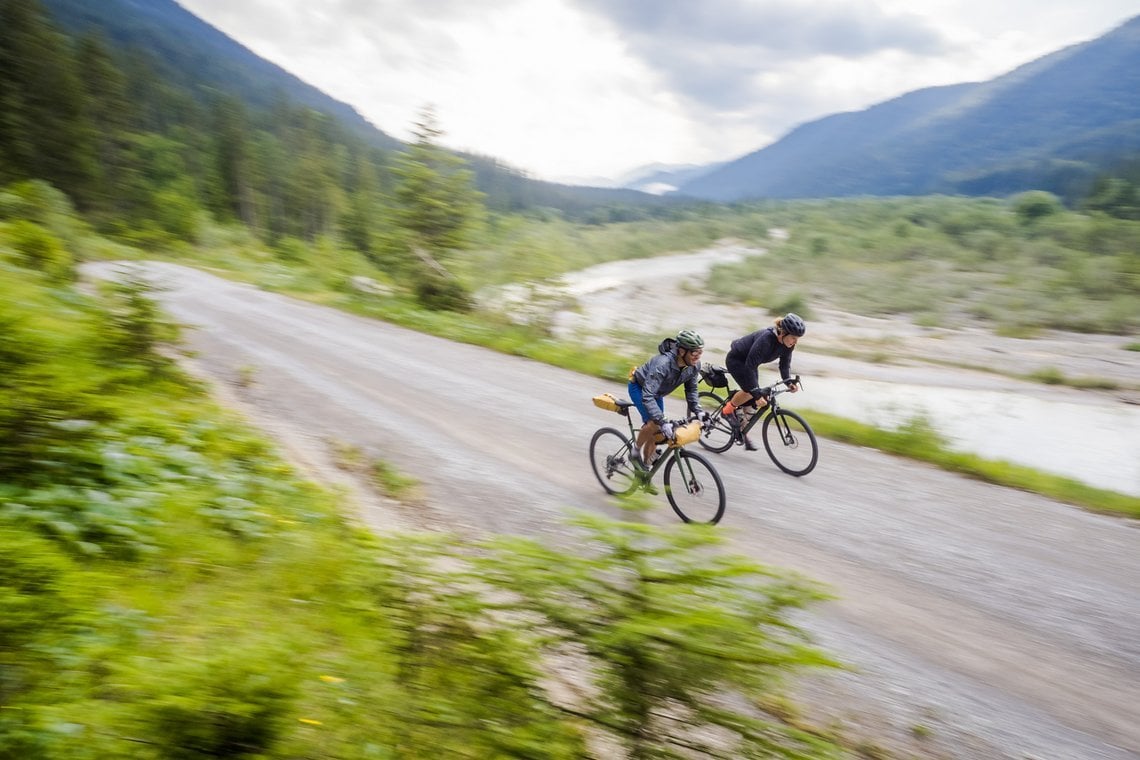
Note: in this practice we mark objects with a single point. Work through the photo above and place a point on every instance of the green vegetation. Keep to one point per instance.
(169, 588)
(1013, 267)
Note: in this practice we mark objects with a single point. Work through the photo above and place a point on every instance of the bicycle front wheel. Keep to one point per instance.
(694, 488)
(790, 443)
(718, 436)
(610, 458)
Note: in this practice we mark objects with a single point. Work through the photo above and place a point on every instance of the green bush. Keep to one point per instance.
(34, 604)
(47, 407)
(232, 703)
(38, 613)
(133, 326)
(1036, 204)
(38, 249)
(441, 293)
(668, 632)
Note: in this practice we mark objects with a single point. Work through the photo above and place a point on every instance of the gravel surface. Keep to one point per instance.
(978, 621)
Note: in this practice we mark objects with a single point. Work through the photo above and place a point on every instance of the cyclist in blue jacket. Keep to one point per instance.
(747, 353)
(678, 362)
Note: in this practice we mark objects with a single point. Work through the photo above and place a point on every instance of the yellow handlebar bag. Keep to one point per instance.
(686, 434)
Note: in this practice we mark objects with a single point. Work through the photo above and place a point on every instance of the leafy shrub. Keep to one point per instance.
(232, 703)
(790, 302)
(1036, 204)
(46, 411)
(39, 612)
(134, 326)
(33, 601)
(38, 249)
(442, 293)
(37, 201)
(668, 631)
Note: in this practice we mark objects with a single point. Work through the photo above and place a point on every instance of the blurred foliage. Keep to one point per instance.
(134, 328)
(669, 631)
(169, 589)
(1015, 266)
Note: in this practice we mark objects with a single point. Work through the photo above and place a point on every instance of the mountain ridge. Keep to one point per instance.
(918, 142)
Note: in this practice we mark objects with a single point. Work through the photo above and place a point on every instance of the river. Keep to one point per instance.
(1091, 436)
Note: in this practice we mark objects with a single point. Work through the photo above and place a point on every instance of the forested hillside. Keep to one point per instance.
(146, 116)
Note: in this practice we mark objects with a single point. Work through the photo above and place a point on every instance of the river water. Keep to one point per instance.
(1091, 436)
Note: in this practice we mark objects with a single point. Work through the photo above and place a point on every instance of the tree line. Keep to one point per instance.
(146, 159)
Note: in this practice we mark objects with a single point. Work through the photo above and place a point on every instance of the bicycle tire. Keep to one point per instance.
(610, 460)
(790, 442)
(700, 497)
(718, 436)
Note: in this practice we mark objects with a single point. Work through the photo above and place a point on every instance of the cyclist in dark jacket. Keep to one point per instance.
(746, 354)
(678, 362)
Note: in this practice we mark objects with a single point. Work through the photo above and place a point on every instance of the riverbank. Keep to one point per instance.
(967, 384)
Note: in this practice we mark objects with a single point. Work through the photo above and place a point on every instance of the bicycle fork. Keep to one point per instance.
(688, 476)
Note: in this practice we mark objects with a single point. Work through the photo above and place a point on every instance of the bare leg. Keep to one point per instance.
(646, 438)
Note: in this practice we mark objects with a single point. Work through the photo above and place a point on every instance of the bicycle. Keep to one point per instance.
(699, 496)
(787, 437)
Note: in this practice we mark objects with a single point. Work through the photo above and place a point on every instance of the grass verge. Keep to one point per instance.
(918, 441)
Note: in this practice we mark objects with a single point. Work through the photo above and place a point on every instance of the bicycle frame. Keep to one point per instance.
(787, 436)
(671, 452)
(773, 404)
(693, 487)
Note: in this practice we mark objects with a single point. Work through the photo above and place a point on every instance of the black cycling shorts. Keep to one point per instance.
(748, 378)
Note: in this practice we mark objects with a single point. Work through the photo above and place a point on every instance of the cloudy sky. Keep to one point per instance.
(578, 90)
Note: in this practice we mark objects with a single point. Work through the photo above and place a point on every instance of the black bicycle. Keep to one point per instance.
(787, 437)
(692, 484)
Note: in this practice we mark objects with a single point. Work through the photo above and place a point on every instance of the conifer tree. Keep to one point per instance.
(436, 200)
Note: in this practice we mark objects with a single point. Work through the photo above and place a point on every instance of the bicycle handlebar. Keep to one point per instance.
(775, 388)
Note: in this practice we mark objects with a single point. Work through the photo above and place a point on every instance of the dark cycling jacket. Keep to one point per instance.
(660, 376)
(762, 347)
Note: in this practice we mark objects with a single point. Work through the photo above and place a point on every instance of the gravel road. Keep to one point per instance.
(979, 622)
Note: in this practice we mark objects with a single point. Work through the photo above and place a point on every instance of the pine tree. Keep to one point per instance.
(436, 200)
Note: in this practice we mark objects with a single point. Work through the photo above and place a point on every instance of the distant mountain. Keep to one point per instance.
(658, 179)
(1047, 124)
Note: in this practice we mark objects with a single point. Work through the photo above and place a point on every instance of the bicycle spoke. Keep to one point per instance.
(610, 459)
(694, 488)
(790, 442)
(719, 435)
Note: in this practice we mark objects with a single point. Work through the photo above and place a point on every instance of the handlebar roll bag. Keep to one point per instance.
(686, 434)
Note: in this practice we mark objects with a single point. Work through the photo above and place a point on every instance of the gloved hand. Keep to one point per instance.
(702, 416)
(666, 428)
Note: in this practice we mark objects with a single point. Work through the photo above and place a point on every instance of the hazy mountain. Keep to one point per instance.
(659, 179)
(1053, 121)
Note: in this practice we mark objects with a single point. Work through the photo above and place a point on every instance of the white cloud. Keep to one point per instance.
(591, 88)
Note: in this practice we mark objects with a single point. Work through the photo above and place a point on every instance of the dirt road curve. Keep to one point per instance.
(981, 622)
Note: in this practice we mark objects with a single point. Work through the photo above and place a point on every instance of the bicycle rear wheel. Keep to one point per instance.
(694, 488)
(790, 442)
(718, 436)
(610, 458)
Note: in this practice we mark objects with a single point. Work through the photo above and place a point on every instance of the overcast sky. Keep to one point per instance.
(577, 90)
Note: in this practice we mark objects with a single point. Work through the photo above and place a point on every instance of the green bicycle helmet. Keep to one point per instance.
(690, 340)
